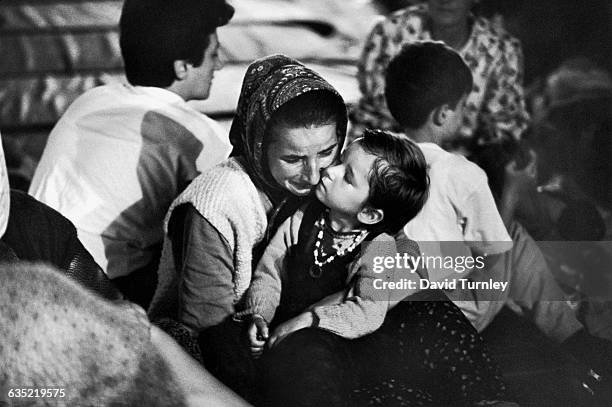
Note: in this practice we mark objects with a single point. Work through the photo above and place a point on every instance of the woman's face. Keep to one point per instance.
(446, 13)
(297, 156)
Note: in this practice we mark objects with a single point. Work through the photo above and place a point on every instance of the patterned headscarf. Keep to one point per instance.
(268, 84)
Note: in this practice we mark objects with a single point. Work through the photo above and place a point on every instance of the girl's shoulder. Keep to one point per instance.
(379, 245)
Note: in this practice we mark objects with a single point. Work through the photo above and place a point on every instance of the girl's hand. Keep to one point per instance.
(304, 320)
(258, 335)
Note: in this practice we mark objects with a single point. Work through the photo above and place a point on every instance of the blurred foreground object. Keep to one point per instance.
(56, 334)
(53, 51)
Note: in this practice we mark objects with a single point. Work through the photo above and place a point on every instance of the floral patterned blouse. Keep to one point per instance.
(496, 103)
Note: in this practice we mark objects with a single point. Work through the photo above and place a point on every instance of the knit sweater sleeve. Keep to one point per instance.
(205, 289)
(263, 296)
(364, 309)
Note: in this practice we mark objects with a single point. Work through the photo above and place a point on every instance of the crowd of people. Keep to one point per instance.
(210, 268)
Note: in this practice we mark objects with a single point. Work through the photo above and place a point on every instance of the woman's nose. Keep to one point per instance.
(313, 172)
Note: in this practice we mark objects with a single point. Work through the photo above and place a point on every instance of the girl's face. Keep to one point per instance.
(297, 156)
(445, 13)
(345, 187)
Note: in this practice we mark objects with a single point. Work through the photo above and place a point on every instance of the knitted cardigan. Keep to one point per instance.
(228, 199)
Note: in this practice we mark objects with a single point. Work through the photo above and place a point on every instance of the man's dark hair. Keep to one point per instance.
(155, 33)
(399, 183)
(315, 108)
(423, 77)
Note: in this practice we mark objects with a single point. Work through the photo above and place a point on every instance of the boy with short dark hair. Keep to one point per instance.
(426, 86)
(155, 34)
(437, 78)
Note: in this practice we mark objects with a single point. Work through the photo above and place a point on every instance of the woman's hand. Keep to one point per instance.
(258, 335)
(304, 320)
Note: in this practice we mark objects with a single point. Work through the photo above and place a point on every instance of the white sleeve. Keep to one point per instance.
(483, 229)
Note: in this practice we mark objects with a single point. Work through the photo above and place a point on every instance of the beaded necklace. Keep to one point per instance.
(317, 270)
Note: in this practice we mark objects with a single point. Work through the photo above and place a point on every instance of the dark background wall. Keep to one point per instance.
(554, 30)
(551, 30)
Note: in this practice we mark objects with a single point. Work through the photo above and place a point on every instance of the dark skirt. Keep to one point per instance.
(426, 353)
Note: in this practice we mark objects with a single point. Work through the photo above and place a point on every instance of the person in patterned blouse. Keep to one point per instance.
(495, 108)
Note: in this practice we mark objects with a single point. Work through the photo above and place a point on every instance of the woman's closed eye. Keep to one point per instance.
(292, 159)
(327, 152)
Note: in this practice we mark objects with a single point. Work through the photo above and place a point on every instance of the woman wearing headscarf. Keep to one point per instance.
(495, 109)
(290, 124)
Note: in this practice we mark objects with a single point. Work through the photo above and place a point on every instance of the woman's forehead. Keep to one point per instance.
(304, 139)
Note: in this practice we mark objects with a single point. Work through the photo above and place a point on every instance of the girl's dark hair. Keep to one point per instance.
(399, 183)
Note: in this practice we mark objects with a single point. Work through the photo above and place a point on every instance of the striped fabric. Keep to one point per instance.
(50, 53)
(54, 50)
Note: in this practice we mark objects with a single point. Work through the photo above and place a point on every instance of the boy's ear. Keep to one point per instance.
(370, 216)
(180, 69)
(439, 115)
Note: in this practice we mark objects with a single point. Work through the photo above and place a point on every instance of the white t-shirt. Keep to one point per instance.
(460, 216)
(114, 163)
